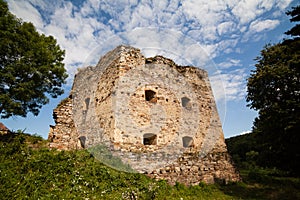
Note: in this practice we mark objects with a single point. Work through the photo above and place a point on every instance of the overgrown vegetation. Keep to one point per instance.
(259, 182)
(29, 170)
(32, 173)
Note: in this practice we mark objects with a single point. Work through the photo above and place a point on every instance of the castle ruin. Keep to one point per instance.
(156, 116)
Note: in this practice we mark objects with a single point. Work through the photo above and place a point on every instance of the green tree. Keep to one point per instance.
(31, 66)
(274, 91)
(295, 14)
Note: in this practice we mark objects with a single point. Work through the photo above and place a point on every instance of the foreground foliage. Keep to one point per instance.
(28, 170)
(259, 182)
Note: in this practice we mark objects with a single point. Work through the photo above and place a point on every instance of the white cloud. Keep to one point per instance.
(231, 86)
(206, 16)
(170, 43)
(27, 12)
(247, 10)
(258, 26)
(191, 31)
(263, 25)
(230, 63)
(225, 27)
(226, 46)
(282, 5)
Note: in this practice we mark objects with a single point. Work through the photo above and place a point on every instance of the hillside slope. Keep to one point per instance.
(29, 170)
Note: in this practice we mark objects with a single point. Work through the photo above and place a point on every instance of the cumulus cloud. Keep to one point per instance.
(27, 12)
(190, 32)
(225, 27)
(246, 10)
(258, 26)
(230, 62)
(263, 25)
(231, 86)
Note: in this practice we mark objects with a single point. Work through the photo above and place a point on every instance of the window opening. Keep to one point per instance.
(149, 95)
(87, 102)
(81, 141)
(149, 139)
(186, 103)
(187, 141)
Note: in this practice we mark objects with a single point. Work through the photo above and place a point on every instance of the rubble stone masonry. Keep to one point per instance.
(156, 116)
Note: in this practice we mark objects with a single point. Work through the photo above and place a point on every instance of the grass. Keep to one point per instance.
(261, 184)
(29, 170)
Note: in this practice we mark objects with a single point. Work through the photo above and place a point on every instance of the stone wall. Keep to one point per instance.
(191, 169)
(64, 135)
(156, 116)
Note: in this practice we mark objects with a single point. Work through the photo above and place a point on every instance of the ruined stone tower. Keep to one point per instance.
(156, 116)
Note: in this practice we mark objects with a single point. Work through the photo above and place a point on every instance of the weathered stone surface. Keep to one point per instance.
(158, 117)
(64, 135)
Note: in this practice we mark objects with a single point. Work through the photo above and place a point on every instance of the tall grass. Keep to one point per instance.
(29, 170)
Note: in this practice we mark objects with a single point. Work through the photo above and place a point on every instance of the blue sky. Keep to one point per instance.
(221, 36)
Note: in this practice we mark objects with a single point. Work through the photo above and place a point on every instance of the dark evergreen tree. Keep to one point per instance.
(295, 14)
(274, 91)
(31, 66)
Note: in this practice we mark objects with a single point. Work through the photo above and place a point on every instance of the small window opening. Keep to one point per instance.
(81, 141)
(87, 102)
(149, 139)
(149, 95)
(187, 141)
(186, 103)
